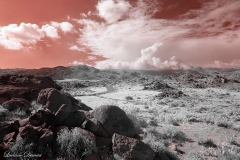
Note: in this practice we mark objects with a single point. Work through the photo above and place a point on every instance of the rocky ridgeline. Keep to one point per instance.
(107, 127)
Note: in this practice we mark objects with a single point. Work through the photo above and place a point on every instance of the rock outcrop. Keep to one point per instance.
(52, 99)
(23, 86)
(17, 103)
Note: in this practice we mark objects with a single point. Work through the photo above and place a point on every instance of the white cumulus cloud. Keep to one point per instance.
(130, 35)
(111, 11)
(15, 36)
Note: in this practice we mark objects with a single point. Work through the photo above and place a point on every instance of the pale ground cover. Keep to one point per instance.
(206, 115)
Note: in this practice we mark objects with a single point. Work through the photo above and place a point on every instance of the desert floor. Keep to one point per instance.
(201, 124)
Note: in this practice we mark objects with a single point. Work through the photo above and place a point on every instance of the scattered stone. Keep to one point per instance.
(172, 94)
(114, 120)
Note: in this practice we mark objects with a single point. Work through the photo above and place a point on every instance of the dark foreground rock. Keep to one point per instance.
(52, 99)
(131, 148)
(70, 116)
(41, 117)
(114, 120)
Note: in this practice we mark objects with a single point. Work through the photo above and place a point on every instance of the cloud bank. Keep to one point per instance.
(16, 37)
(132, 37)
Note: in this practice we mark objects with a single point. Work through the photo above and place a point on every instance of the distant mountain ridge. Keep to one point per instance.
(85, 72)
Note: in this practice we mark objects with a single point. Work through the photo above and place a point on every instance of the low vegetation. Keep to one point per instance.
(73, 145)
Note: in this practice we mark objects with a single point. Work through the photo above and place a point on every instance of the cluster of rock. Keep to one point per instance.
(23, 86)
(157, 86)
(194, 80)
(222, 80)
(203, 81)
(107, 126)
(172, 94)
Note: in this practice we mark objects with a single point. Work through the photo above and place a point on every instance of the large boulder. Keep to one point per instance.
(70, 116)
(94, 126)
(23, 86)
(52, 99)
(41, 117)
(114, 120)
(17, 103)
(131, 148)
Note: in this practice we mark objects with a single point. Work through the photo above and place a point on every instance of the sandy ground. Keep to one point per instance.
(116, 95)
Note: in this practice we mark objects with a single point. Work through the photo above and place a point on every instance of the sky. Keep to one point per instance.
(120, 34)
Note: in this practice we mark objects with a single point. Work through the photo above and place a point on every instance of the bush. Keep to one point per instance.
(3, 113)
(170, 132)
(193, 156)
(153, 139)
(73, 144)
(224, 123)
(128, 98)
(206, 142)
(26, 148)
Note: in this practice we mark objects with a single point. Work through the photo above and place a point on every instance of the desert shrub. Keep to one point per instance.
(223, 123)
(3, 113)
(118, 157)
(173, 133)
(153, 122)
(193, 156)
(36, 107)
(153, 139)
(25, 147)
(19, 113)
(128, 98)
(206, 142)
(73, 144)
(174, 104)
(227, 152)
